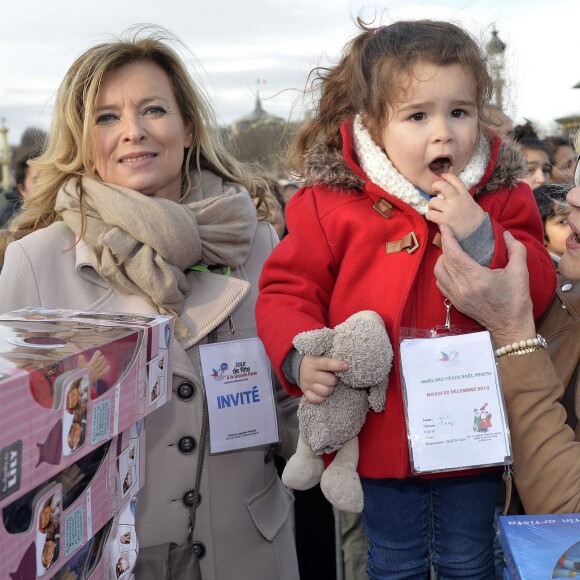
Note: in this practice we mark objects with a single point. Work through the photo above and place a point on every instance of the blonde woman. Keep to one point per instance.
(133, 189)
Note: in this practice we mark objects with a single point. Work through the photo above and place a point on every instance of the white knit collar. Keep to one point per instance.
(378, 167)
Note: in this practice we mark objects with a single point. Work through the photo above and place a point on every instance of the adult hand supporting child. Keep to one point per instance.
(453, 205)
(498, 299)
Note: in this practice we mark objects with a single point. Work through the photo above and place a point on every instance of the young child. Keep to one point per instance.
(537, 159)
(554, 211)
(395, 148)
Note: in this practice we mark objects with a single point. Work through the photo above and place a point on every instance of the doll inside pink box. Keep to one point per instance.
(49, 351)
(93, 560)
(37, 517)
(114, 547)
(74, 479)
(71, 380)
(41, 509)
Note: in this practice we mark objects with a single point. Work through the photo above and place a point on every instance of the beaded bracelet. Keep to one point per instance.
(522, 347)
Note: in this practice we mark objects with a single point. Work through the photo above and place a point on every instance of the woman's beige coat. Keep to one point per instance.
(243, 520)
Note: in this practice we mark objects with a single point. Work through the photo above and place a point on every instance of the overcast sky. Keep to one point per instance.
(238, 42)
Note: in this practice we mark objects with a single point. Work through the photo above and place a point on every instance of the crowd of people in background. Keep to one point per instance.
(342, 148)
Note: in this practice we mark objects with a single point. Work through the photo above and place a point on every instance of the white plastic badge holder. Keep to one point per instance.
(240, 398)
(454, 406)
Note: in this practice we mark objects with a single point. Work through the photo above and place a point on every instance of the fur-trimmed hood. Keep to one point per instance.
(327, 166)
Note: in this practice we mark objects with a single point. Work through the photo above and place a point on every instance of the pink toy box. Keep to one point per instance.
(69, 382)
(50, 527)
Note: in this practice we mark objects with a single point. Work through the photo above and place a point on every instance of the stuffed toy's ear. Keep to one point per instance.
(314, 342)
(363, 342)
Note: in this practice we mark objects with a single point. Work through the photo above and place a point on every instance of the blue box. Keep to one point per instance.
(539, 547)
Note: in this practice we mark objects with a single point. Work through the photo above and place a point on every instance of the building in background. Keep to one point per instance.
(495, 50)
(261, 140)
(571, 123)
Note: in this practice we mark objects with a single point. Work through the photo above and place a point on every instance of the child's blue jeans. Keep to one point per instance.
(447, 521)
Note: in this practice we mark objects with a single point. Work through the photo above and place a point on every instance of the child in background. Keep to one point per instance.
(538, 165)
(562, 160)
(554, 211)
(397, 146)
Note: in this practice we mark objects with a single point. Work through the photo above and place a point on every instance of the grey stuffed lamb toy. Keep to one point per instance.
(334, 425)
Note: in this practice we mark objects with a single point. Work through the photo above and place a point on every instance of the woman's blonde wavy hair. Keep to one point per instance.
(69, 147)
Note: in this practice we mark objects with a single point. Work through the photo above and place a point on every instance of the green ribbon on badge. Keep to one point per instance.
(202, 268)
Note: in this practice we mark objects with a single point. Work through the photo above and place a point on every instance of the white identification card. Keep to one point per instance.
(455, 412)
(240, 398)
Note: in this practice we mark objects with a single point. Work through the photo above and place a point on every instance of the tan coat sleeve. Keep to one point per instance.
(546, 451)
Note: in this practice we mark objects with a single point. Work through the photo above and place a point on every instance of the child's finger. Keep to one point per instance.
(331, 365)
(443, 188)
(456, 184)
(324, 378)
(313, 398)
(436, 203)
(317, 393)
(436, 216)
(313, 364)
(322, 389)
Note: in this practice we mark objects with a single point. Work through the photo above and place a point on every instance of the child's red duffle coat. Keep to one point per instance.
(334, 263)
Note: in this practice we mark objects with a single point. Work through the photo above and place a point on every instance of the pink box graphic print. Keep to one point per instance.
(69, 382)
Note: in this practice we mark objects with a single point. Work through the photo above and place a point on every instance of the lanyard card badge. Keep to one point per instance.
(240, 397)
(454, 406)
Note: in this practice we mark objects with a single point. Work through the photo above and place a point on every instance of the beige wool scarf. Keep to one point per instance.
(143, 245)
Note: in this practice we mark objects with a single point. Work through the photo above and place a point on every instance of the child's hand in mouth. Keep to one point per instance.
(453, 205)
